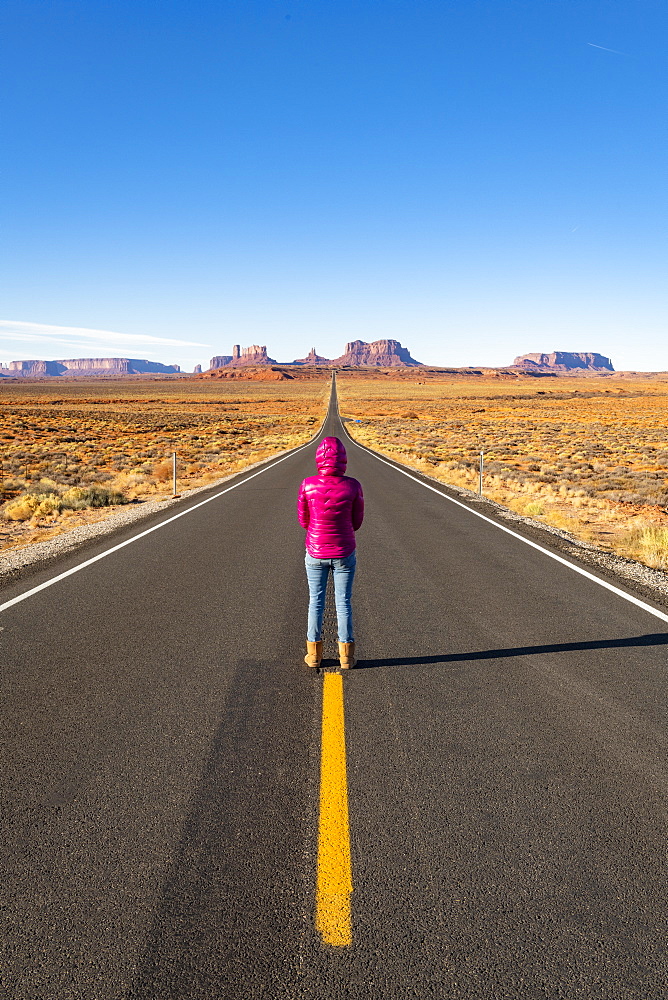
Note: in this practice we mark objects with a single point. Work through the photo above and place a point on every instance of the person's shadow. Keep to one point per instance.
(654, 639)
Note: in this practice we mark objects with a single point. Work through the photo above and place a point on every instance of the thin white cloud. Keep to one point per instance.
(73, 335)
(616, 51)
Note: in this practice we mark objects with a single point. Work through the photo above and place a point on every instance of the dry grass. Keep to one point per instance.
(648, 543)
(64, 443)
(590, 457)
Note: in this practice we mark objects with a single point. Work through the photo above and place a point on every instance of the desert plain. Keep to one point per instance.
(587, 455)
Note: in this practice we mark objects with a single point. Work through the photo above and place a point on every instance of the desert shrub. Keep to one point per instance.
(80, 497)
(75, 498)
(40, 503)
(31, 505)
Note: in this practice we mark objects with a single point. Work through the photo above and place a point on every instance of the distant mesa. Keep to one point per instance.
(564, 361)
(86, 366)
(253, 355)
(377, 354)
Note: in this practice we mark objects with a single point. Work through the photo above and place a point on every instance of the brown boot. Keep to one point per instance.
(313, 653)
(347, 655)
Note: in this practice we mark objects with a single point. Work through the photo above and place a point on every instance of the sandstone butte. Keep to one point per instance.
(379, 354)
(240, 356)
(312, 358)
(565, 361)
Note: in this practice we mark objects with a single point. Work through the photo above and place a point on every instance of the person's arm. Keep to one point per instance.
(358, 508)
(302, 507)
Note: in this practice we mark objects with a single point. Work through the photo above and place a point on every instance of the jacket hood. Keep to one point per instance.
(331, 457)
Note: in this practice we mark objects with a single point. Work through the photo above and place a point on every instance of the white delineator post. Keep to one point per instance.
(481, 467)
(174, 470)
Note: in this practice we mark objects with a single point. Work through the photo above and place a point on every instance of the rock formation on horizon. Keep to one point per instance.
(565, 361)
(312, 358)
(256, 354)
(378, 354)
(87, 367)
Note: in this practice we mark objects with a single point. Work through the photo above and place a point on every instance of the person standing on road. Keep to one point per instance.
(331, 508)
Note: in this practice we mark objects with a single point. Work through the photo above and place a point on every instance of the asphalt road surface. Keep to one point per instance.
(507, 750)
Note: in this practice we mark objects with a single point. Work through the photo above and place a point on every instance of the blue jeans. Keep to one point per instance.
(317, 571)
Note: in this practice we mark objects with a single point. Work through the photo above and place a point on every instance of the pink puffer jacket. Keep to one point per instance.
(330, 505)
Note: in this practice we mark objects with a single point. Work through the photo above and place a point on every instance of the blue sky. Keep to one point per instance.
(475, 178)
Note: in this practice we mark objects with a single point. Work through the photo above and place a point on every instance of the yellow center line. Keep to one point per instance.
(334, 882)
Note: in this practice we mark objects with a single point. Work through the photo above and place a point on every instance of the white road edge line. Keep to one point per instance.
(142, 534)
(534, 545)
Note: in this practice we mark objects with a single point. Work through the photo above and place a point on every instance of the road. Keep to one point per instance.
(507, 749)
